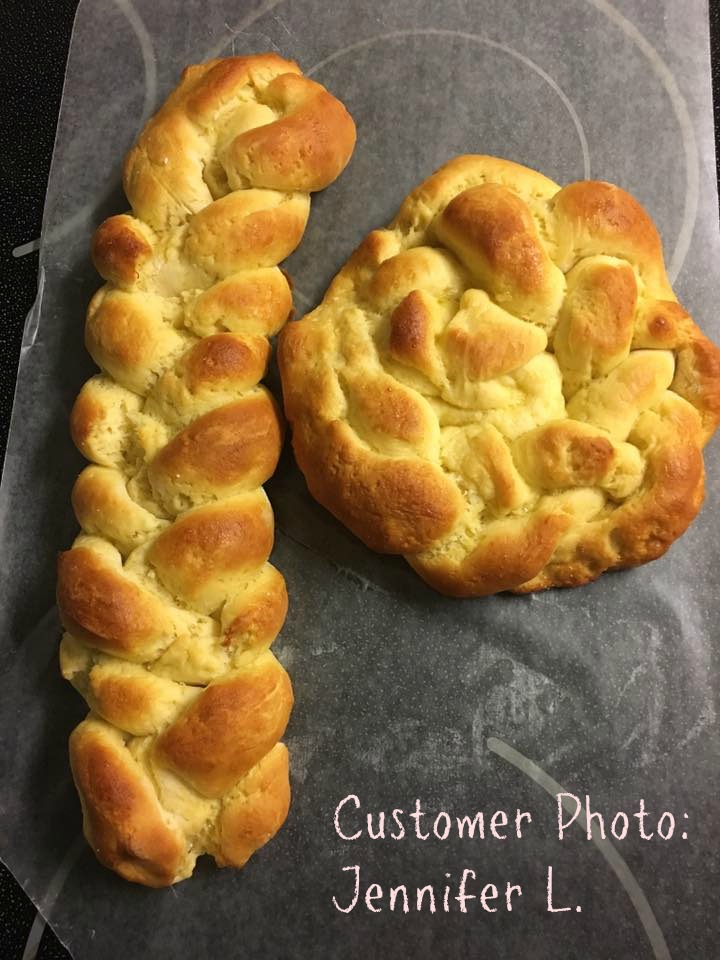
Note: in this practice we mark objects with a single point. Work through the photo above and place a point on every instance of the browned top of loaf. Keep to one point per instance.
(168, 597)
(502, 385)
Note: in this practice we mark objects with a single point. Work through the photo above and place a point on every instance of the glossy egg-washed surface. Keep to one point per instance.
(167, 596)
(502, 385)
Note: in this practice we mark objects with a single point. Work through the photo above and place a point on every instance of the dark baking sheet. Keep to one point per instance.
(609, 690)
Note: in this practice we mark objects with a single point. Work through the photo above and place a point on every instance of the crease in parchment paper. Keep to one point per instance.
(45, 905)
(692, 163)
(32, 322)
(609, 852)
(473, 38)
(80, 219)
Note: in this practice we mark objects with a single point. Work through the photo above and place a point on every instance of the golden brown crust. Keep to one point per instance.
(167, 596)
(233, 448)
(130, 698)
(103, 507)
(246, 230)
(129, 338)
(123, 820)
(411, 333)
(564, 453)
(306, 149)
(483, 342)
(256, 810)
(493, 233)
(593, 217)
(199, 555)
(502, 385)
(121, 249)
(255, 616)
(103, 607)
(208, 86)
(396, 505)
(229, 727)
(258, 301)
(226, 358)
(511, 554)
(99, 421)
(163, 174)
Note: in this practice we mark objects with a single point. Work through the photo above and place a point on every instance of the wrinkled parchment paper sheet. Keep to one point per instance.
(611, 690)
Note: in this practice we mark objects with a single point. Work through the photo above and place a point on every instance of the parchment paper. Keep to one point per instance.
(612, 690)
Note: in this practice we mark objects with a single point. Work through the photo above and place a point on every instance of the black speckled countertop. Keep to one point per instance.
(36, 35)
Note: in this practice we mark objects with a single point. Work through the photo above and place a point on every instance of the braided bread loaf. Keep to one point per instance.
(167, 596)
(502, 385)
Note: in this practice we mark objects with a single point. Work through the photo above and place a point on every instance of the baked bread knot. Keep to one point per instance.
(502, 385)
(167, 596)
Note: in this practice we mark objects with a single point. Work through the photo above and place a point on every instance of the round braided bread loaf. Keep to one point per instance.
(502, 385)
(167, 596)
